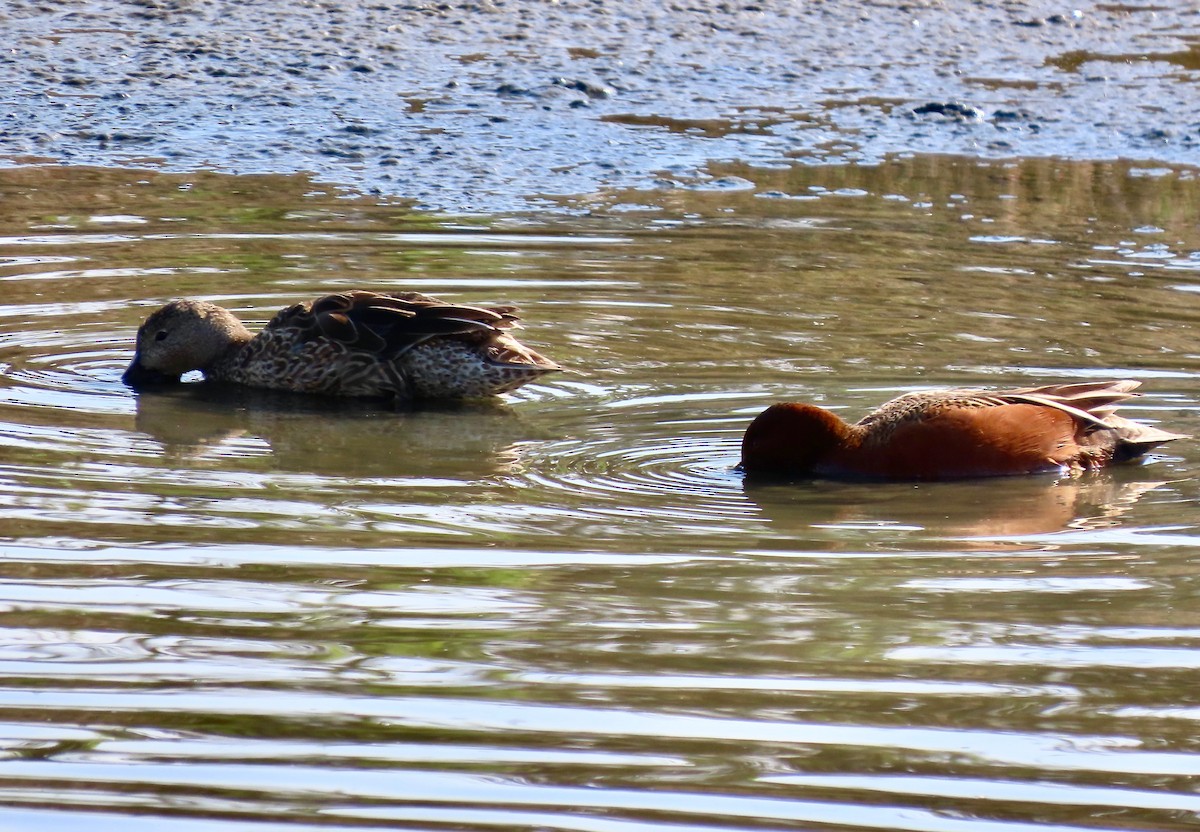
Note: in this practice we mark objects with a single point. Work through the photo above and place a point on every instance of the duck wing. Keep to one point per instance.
(1089, 401)
(388, 325)
(1091, 404)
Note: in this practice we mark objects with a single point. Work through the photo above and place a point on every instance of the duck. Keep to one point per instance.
(954, 434)
(403, 346)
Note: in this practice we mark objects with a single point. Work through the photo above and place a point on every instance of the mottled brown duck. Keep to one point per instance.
(404, 346)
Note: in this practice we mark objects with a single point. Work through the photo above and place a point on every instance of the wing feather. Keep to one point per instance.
(389, 325)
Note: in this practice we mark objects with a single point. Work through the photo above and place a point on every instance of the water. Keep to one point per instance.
(566, 611)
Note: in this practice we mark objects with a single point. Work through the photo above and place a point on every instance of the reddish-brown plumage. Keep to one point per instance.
(951, 434)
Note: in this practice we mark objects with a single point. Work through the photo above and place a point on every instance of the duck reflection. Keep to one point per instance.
(333, 436)
(992, 508)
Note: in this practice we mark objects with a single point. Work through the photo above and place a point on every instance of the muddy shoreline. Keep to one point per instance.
(491, 106)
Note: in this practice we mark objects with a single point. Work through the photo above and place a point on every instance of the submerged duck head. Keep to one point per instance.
(184, 335)
(791, 438)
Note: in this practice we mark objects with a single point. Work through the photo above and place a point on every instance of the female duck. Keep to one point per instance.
(948, 434)
(402, 346)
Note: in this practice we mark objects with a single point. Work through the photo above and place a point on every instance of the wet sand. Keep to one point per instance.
(489, 106)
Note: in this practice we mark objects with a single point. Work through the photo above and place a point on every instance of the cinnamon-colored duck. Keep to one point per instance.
(954, 434)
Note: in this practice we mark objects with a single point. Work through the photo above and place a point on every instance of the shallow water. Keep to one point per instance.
(566, 610)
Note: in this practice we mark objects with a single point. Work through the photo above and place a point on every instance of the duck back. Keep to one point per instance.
(402, 345)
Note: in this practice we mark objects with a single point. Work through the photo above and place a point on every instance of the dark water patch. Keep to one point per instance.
(1075, 61)
(711, 128)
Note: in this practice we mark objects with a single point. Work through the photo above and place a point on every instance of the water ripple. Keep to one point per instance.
(566, 610)
(687, 478)
(50, 372)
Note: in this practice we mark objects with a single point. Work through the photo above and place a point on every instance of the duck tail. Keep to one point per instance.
(1135, 438)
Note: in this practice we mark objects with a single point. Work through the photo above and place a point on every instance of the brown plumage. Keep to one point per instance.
(357, 343)
(949, 434)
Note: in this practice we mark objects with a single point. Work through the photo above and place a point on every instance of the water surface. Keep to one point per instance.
(566, 610)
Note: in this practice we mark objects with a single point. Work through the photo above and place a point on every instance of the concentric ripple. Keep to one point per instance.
(648, 460)
(69, 378)
(66, 356)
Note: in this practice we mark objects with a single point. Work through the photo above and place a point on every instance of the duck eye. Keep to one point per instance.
(161, 335)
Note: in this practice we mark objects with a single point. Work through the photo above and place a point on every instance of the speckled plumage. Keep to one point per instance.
(358, 343)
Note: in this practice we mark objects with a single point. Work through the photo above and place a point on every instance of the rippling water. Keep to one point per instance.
(567, 611)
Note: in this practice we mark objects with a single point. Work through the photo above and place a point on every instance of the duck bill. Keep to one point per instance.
(140, 377)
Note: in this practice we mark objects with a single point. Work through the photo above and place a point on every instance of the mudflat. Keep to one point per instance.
(488, 106)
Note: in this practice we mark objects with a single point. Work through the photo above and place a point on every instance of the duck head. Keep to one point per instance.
(184, 335)
(792, 439)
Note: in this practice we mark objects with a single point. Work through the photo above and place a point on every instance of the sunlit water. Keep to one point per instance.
(566, 610)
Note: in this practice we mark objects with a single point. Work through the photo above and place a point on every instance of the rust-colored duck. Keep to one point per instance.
(954, 434)
(402, 346)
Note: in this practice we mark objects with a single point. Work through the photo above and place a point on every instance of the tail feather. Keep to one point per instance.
(1135, 438)
(1083, 394)
(1088, 401)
